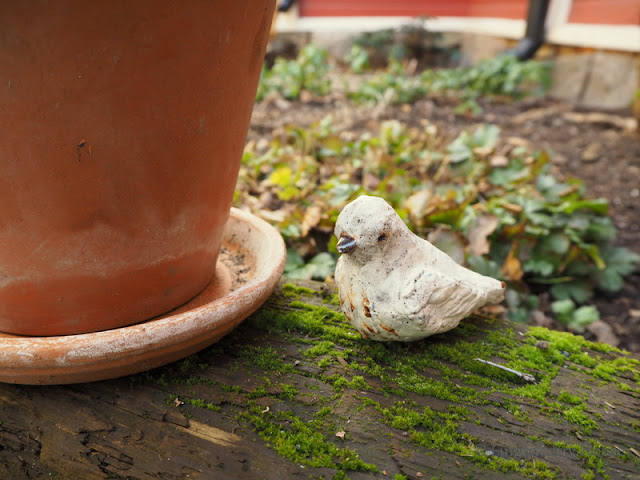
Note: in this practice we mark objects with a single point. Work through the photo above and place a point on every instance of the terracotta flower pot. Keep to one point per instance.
(122, 126)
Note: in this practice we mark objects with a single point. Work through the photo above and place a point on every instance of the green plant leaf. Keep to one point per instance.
(306, 272)
(579, 291)
(563, 309)
(486, 136)
(325, 265)
(540, 266)
(281, 176)
(294, 261)
(594, 252)
(583, 317)
(598, 205)
(319, 267)
(601, 229)
(511, 175)
(484, 266)
(358, 59)
(619, 261)
(558, 243)
(459, 151)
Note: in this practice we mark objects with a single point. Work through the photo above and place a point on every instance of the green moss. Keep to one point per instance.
(323, 412)
(592, 458)
(332, 299)
(325, 362)
(197, 402)
(321, 348)
(295, 291)
(577, 416)
(568, 342)
(307, 319)
(458, 412)
(437, 430)
(440, 431)
(410, 380)
(565, 347)
(536, 391)
(607, 370)
(303, 442)
(566, 397)
(356, 383)
(583, 359)
(516, 411)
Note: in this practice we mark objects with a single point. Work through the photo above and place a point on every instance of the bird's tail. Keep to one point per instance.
(495, 290)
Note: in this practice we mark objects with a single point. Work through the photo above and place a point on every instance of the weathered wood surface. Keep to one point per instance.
(292, 393)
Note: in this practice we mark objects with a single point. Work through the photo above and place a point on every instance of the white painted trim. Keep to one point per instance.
(558, 14)
(508, 28)
(284, 23)
(615, 37)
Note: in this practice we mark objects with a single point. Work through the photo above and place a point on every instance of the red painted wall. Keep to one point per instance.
(608, 12)
(412, 8)
(613, 12)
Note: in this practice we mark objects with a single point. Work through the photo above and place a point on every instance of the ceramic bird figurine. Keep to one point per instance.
(393, 285)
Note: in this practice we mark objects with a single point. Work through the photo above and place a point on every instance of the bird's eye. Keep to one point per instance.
(382, 238)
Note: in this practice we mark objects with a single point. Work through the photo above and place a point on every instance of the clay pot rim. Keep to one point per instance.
(131, 349)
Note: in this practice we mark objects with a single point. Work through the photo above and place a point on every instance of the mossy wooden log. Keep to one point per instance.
(295, 392)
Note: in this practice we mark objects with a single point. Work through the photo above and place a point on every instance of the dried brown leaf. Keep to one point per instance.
(262, 145)
(592, 152)
(512, 207)
(306, 96)
(270, 201)
(512, 268)
(624, 123)
(311, 218)
(416, 205)
(499, 161)
(518, 142)
(276, 216)
(483, 151)
(370, 181)
(449, 241)
(485, 225)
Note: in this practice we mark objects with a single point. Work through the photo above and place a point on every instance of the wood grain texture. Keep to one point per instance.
(224, 413)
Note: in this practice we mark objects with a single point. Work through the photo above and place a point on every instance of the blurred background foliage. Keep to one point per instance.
(491, 203)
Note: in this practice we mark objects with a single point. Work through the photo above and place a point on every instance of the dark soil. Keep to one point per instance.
(601, 149)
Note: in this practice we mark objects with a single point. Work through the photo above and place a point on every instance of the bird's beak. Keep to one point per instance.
(346, 244)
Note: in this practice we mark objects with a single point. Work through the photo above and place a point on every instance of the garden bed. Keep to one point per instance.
(600, 148)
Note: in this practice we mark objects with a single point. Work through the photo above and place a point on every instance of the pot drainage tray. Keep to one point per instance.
(249, 266)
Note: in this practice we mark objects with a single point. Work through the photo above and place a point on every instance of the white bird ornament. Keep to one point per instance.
(393, 285)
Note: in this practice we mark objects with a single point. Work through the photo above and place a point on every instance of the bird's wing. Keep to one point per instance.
(429, 292)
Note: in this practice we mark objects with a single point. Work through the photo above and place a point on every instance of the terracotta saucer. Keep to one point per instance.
(250, 264)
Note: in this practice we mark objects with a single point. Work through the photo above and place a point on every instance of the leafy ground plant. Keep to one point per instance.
(290, 77)
(502, 75)
(492, 203)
